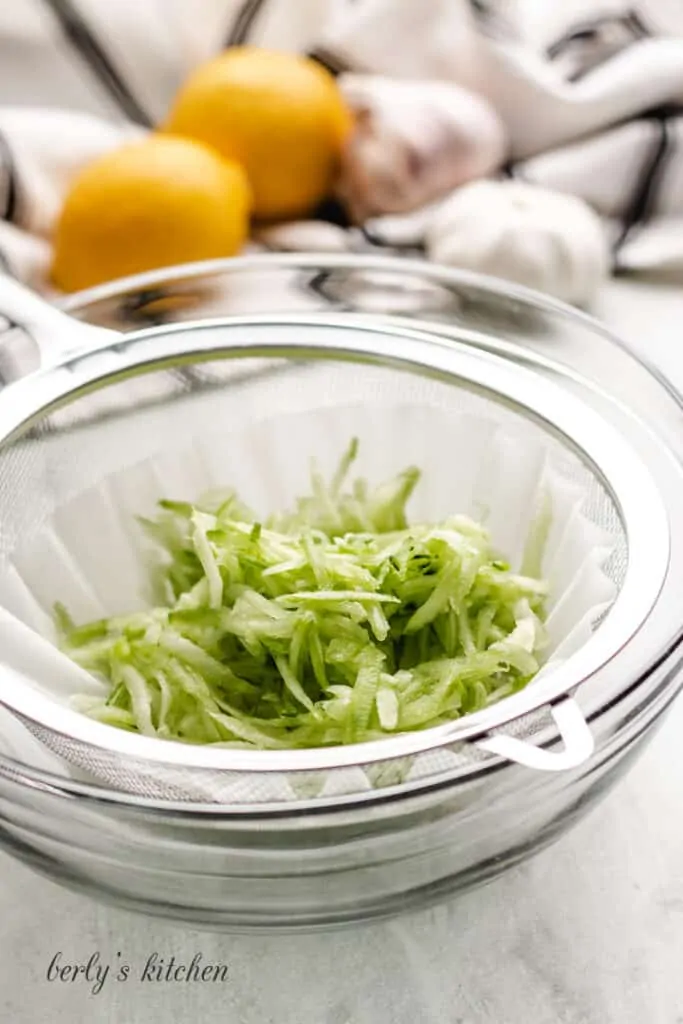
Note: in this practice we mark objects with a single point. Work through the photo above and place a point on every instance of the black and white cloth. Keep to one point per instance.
(590, 93)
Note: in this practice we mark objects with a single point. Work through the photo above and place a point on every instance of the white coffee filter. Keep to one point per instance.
(91, 554)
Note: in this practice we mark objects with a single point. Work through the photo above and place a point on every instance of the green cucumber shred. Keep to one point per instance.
(337, 622)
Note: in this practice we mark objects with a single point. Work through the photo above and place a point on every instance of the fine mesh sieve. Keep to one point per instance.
(265, 394)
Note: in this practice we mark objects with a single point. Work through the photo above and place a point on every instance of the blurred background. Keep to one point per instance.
(540, 143)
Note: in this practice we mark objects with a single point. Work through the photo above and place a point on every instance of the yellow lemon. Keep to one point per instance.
(280, 115)
(152, 203)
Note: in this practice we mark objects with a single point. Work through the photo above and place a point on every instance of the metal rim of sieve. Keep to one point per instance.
(581, 429)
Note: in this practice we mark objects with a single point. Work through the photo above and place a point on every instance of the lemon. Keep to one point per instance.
(151, 203)
(278, 114)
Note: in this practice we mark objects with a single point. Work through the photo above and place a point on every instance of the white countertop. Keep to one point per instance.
(589, 932)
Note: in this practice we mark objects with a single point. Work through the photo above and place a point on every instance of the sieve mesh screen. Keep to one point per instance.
(165, 412)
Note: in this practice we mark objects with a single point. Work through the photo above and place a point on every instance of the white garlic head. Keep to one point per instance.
(520, 232)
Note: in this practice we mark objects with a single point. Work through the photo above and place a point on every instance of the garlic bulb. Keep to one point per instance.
(545, 240)
(413, 143)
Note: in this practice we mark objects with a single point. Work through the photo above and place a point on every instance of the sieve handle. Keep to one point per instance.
(577, 738)
(51, 333)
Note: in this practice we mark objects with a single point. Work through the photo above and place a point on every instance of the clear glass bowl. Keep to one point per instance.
(371, 855)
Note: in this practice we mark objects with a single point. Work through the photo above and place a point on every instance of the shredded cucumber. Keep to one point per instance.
(335, 623)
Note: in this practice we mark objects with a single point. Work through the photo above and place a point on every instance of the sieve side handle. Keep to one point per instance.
(577, 738)
(51, 333)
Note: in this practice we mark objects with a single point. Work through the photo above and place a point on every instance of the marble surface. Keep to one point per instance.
(589, 932)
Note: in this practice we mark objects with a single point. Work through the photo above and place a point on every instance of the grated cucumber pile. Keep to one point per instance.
(335, 623)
